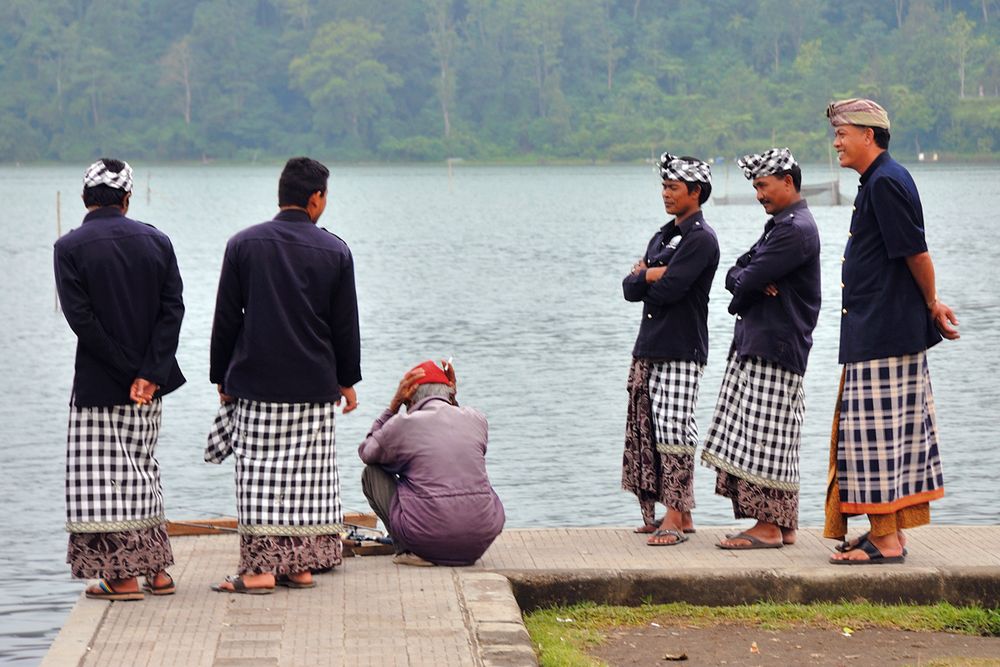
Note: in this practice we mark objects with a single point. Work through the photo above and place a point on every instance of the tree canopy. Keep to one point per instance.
(488, 79)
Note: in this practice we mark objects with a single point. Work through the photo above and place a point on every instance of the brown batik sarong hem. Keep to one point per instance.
(652, 476)
(119, 555)
(285, 554)
(752, 501)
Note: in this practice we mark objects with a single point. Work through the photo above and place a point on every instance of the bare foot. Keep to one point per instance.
(687, 522)
(648, 527)
(888, 545)
(264, 581)
(853, 544)
(788, 536)
(130, 585)
(765, 532)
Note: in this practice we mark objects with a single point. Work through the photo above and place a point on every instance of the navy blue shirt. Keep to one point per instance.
(286, 315)
(778, 328)
(883, 312)
(120, 291)
(674, 323)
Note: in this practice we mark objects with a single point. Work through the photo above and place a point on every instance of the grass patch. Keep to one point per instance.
(562, 634)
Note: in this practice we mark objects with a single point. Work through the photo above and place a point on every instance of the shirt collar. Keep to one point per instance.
(293, 215)
(426, 401)
(789, 212)
(685, 226)
(876, 163)
(104, 212)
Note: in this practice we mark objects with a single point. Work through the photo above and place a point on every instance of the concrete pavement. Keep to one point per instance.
(371, 612)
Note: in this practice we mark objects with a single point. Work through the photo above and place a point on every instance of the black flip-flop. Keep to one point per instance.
(846, 545)
(755, 543)
(239, 586)
(661, 532)
(875, 557)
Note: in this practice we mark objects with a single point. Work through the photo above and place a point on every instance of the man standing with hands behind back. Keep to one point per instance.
(885, 461)
(285, 350)
(120, 291)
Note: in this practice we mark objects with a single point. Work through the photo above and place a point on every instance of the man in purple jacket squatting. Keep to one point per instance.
(426, 473)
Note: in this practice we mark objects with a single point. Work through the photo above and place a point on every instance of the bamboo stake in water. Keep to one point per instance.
(58, 231)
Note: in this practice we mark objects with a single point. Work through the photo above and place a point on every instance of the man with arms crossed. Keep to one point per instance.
(884, 461)
(672, 281)
(753, 443)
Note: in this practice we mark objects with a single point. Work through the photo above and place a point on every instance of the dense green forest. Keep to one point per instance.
(403, 80)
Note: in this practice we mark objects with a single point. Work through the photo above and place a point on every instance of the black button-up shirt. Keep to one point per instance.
(778, 328)
(286, 314)
(120, 291)
(883, 313)
(675, 308)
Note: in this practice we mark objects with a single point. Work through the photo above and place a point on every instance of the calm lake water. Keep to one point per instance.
(513, 271)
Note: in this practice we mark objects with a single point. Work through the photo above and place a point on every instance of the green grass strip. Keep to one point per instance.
(561, 634)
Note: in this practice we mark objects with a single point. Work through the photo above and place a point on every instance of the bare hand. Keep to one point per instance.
(142, 391)
(771, 289)
(449, 370)
(348, 400)
(408, 385)
(639, 266)
(944, 317)
(655, 273)
(223, 397)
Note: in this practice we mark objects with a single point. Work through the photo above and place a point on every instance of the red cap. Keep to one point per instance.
(432, 374)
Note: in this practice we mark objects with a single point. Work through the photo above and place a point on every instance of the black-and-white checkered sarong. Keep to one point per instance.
(757, 426)
(286, 468)
(673, 396)
(887, 453)
(112, 475)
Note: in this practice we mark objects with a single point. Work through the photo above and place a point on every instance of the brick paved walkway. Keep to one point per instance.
(371, 612)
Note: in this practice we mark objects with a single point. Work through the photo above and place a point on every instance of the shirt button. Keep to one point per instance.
(854, 208)
(843, 311)
(843, 259)
(850, 234)
(739, 317)
(649, 316)
(841, 285)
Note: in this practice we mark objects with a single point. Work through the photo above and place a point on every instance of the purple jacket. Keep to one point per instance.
(445, 509)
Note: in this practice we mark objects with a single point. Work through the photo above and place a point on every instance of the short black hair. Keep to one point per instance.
(706, 190)
(881, 137)
(796, 173)
(105, 195)
(301, 177)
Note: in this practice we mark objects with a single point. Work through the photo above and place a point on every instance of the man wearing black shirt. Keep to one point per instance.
(672, 280)
(120, 291)
(285, 350)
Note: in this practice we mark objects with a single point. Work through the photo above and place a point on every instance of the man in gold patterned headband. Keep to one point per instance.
(890, 316)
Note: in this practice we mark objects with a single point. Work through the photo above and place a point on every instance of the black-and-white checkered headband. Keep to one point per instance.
(768, 163)
(99, 174)
(673, 168)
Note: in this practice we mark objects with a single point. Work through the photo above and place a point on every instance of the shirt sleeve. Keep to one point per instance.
(376, 446)
(634, 286)
(693, 256)
(899, 218)
(80, 316)
(344, 326)
(159, 358)
(228, 321)
(781, 254)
